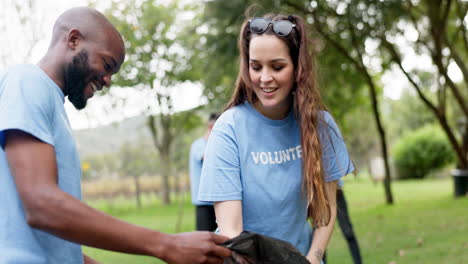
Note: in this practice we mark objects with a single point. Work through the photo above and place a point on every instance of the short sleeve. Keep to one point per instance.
(335, 156)
(220, 180)
(197, 151)
(26, 104)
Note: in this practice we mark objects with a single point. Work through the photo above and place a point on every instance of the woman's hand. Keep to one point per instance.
(314, 260)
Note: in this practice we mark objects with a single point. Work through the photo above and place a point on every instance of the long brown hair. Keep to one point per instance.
(307, 108)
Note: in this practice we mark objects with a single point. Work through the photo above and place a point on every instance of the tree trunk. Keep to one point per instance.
(463, 160)
(383, 140)
(137, 190)
(165, 174)
(162, 139)
(460, 148)
(180, 213)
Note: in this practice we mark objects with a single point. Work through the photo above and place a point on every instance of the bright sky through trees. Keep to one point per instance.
(101, 110)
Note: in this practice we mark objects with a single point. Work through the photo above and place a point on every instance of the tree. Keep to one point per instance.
(215, 31)
(401, 117)
(155, 60)
(339, 23)
(400, 30)
(441, 36)
(132, 165)
(20, 22)
(134, 162)
(100, 165)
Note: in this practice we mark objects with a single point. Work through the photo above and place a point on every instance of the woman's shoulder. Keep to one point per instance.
(326, 116)
(327, 124)
(233, 114)
(327, 120)
(229, 119)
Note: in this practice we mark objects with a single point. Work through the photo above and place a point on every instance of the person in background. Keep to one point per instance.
(42, 217)
(344, 221)
(204, 211)
(275, 155)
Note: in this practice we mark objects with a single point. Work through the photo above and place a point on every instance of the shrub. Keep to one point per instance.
(421, 151)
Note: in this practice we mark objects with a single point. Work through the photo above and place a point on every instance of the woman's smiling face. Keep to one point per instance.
(271, 72)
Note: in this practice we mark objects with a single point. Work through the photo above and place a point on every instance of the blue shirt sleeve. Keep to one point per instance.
(221, 179)
(197, 153)
(25, 105)
(335, 156)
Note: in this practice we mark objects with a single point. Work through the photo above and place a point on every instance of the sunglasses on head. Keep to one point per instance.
(281, 28)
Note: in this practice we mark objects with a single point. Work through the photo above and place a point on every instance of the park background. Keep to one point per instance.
(393, 74)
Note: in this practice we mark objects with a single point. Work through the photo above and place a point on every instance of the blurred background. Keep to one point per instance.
(393, 73)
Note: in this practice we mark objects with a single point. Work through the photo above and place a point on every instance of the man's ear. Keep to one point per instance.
(74, 38)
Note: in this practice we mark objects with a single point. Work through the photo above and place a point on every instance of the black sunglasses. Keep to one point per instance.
(281, 28)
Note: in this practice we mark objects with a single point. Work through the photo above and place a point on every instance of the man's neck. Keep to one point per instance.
(53, 69)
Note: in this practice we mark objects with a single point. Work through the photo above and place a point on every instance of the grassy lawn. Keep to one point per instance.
(426, 224)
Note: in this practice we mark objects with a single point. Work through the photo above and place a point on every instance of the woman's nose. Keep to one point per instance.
(265, 77)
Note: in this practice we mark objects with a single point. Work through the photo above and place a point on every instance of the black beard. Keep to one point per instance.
(75, 77)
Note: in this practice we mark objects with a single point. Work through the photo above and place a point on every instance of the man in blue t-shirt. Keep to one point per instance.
(205, 215)
(42, 218)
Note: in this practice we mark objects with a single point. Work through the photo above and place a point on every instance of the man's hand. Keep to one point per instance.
(194, 248)
(88, 260)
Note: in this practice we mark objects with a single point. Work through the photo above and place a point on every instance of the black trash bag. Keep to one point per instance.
(249, 248)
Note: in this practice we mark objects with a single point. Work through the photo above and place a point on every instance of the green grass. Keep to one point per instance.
(153, 215)
(426, 224)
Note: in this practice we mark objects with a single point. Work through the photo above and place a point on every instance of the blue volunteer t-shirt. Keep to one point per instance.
(197, 153)
(252, 158)
(30, 101)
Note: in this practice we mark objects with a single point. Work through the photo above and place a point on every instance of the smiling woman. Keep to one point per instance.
(271, 76)
(275, 154)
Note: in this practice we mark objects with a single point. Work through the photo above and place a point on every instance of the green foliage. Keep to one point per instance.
(150, 43)
(218, 46)
(426, 226)
(157, 56)
(400, 115)
(157, 59)
(137, 159)
(419, 152)
(21, 22)
(216, 57)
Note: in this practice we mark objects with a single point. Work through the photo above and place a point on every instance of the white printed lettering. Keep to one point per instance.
(278, 157)
(299, 151)
(255, 157)
(263, 158)
(270, 158)
(291, 150)
(286, 156)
